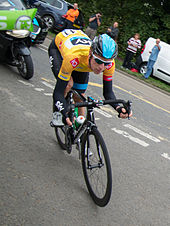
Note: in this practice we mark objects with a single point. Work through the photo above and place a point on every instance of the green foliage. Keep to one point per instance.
(149, 18)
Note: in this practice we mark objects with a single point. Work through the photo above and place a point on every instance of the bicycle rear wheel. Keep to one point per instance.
(63, 136)
(96, 167)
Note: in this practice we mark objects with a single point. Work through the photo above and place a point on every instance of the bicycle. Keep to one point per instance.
(91, 146)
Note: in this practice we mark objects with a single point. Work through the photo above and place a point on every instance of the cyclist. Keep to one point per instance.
(72, 56)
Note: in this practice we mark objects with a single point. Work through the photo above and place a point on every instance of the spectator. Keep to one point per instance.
(153, 57)
(94, 23)
(113, 31)
(71, 16)
(134, 44)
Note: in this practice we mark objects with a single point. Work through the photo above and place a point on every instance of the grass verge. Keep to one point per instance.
(151, 80)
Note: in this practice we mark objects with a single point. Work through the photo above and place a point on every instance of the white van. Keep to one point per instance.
(161, 68)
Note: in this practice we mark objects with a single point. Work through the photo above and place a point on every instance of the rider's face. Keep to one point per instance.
(97, 67)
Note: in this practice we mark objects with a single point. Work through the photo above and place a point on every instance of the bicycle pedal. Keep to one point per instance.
(51, 124)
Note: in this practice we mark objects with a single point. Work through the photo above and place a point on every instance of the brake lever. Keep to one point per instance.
(97, 103)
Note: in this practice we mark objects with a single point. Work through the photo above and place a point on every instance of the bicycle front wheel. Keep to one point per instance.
(96, 167)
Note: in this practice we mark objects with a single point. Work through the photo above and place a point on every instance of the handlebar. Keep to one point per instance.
(90, 102)
(97, 103)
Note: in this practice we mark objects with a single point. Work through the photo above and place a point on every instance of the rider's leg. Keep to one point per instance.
(69, 86)
(81, 110)
(80, 84)
(55, 59)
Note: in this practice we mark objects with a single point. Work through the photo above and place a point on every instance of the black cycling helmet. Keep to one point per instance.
(104, 46)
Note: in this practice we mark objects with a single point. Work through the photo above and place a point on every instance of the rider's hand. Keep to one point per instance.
(68, 121)
(122, 112)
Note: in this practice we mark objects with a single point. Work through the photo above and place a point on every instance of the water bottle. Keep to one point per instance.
(79, 120)
(75, 115)
(76, 112)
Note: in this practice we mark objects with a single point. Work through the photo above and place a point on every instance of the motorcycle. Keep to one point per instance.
(40, 30)
(14, 50)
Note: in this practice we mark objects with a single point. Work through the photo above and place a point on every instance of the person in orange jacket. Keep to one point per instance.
(71, 15)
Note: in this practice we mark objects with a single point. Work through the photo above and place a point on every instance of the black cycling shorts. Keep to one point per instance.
(80, 79)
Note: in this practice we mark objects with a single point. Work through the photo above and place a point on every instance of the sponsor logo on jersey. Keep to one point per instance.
(80, 67)
(60, 45)
(59, 105)
(51, 61)
(109, 66)
(80, 41)
(74, 62)
(64, 72)
(107, 78)
(63, 77)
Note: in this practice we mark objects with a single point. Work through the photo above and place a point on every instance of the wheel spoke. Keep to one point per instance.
(96, 168)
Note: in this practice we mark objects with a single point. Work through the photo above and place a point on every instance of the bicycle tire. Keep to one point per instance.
(93, 182)
(60, 135)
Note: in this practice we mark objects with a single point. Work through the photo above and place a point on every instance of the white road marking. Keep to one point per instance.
(49, 80)
(48, 94)
(26, 83)
(142, 133)
(47, 84)
(165, 155)
(39, 89)
(134, 139)
(103, 113)
(43, 49)
(124, 133)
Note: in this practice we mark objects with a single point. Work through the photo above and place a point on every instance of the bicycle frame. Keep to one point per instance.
(88, 123)
(89, 103)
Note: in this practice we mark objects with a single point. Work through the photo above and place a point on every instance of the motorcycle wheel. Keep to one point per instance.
(25, 67)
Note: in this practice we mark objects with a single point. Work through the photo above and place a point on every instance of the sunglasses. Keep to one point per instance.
(99, 61)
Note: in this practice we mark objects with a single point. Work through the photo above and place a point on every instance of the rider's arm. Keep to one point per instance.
(107, 83)
(107, 86)
(108, 92)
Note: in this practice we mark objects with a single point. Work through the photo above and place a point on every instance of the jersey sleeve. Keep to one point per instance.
(107, 83)
(109, 71)
(68, 65)
(65, 71)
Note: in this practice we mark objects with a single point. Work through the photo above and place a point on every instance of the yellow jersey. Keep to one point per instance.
(74, 46)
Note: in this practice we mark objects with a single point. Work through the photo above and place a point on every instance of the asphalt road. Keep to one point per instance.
(42, 185)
